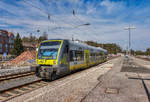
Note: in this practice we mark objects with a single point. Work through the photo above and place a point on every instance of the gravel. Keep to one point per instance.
(17, 82)
(16, 70)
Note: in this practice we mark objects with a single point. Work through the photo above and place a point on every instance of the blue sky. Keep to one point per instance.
(107, 18)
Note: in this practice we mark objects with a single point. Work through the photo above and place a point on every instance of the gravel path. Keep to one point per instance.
(72, 88)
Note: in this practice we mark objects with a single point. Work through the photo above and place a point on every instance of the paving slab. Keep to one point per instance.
(124, 83)
(144, 63)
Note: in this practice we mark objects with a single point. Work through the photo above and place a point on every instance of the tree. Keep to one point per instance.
(112, 48)
(132, 52)
(43, 37)
(18, 47)
(139, 52)
(148, 51)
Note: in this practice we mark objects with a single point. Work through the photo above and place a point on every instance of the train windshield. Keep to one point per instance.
(49, 50)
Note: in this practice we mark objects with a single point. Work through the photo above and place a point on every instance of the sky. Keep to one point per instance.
(67, 18)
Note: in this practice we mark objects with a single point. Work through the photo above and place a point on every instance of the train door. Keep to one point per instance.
(87, 57)
(65, 56)
(65, 61)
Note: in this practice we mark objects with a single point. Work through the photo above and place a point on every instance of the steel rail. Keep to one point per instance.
(13, 76)
(13, 92)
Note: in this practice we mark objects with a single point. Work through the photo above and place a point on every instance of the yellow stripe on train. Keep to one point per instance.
(79, 66)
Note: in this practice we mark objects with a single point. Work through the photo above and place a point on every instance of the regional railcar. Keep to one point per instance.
(59, 57)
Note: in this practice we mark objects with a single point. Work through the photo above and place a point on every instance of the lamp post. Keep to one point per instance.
(129, 29)
(86, 24)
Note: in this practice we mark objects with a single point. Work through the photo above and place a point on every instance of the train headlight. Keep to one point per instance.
(37, 49)
(54, 62)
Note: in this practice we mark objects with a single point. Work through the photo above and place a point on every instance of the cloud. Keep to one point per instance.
(107, 19)
(112, 7)
(109, 5)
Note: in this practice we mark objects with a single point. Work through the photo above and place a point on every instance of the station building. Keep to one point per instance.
(6, 41)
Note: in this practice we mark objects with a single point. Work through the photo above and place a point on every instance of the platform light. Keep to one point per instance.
(86, 24)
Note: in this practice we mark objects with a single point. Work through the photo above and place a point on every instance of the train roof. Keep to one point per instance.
(85, 46)
(82, 45)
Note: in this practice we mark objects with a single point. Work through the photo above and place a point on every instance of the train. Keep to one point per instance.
(59, 57)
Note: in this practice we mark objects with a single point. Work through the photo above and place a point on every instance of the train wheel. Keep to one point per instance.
(53, 76)
(37, 72)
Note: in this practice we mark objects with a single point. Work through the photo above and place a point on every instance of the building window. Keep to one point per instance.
(4, 34)
(11, 46)
(0, 47)
(11, 40)
(6, 46)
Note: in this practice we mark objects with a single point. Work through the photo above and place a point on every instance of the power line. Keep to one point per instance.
(35, 6)
(74, 14)
(47, 14)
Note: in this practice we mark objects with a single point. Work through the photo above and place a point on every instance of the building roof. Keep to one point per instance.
(25, 44)
(10, 34)
(3, 31)
(6, 33)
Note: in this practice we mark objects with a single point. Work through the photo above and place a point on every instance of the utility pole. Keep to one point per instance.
(72, 38)
(129, 28)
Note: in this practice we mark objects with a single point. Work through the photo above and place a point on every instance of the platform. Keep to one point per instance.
(128, 81)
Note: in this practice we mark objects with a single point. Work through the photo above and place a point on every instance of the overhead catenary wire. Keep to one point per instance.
(72, 26)
(74, 14)
(50, 17)
(47, 14)
(82, 23)
(25, 1)
(87, 23)
(58, 26)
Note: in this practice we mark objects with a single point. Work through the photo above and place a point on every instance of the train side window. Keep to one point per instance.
(82, 55)
(76, 55)
(66, 50)
(71, 56)
(79, 55)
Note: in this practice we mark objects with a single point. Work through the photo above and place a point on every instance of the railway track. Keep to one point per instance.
(20, 90)
(26, 87)
(10, 86)
(10, 93)
(8, 77)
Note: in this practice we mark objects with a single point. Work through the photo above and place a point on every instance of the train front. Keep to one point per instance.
(47, 59)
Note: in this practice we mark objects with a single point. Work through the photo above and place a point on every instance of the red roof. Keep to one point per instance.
(10, 34)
